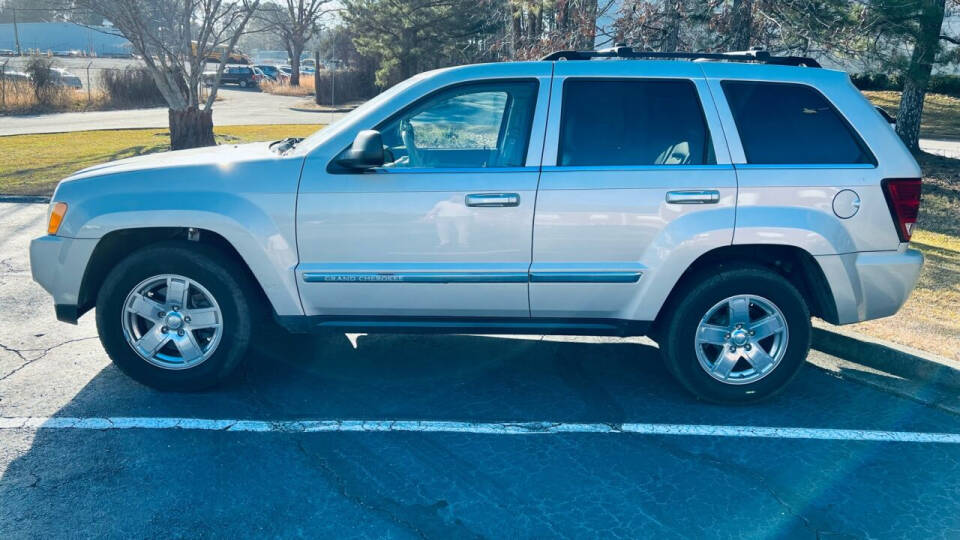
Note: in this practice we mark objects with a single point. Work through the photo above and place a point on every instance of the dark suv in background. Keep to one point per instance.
(243, 76)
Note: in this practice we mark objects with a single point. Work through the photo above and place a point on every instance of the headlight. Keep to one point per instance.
(56, 217)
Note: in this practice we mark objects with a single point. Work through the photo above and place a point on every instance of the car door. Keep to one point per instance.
(444, 228)
(636, 184)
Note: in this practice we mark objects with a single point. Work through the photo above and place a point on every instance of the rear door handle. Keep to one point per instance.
(706, 196)
(492, 199)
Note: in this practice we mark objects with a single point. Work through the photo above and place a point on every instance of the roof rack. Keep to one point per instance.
(622, 51)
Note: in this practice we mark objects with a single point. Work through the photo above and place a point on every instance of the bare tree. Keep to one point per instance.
(175, 38)
(296, 22)
(533, 28)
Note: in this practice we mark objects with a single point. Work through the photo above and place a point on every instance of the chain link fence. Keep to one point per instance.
(80, 84)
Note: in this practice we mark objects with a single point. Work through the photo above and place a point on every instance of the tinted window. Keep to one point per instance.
(640, 122)
(791, 124)
(476, 125)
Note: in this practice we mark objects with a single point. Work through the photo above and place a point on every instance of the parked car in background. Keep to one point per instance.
(273, 73)
(65, 78)
(7, 52)
(242, 76)
(15, 76)
(715, 206)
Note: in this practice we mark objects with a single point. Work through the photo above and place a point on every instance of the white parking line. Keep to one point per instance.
(485, 428)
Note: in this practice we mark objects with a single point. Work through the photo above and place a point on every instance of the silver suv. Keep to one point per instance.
(714, 205)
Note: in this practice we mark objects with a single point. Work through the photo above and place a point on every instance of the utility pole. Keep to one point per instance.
(16, 33)
(316, 77)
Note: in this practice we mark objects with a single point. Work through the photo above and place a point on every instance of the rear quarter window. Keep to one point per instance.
(792, 124)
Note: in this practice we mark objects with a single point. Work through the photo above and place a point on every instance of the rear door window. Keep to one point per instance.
(632, 123)
(782, 123)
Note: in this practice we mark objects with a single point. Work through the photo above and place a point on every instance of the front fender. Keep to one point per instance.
(251, 206)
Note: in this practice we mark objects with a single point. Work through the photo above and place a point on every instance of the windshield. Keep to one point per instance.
(323, 134)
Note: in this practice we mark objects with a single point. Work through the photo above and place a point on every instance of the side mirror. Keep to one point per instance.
(366, 152)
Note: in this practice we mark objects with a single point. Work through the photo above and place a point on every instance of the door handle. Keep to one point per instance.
(492, 199)
(706, 196)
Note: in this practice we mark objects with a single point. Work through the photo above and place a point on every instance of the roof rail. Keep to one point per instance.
(622, 51)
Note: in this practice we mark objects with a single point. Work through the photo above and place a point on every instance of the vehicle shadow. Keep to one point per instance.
(464, 378)
(452, 377)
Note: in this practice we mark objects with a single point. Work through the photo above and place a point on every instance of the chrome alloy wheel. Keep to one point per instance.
(741, 339)
(172, 322)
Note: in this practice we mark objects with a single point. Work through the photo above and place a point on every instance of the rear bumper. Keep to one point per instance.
(871, 285)
(57, 264)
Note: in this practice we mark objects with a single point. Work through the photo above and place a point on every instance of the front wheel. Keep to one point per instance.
(737, 336)
(173, 318)
(243, 84)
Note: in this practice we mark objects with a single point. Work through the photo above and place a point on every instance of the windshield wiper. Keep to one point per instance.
(284, 145)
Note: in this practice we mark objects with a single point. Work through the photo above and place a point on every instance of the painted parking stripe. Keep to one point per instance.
(485, 428)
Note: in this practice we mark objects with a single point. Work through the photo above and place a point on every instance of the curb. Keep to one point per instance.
(299, 109)
(899, 360)
(24, 199)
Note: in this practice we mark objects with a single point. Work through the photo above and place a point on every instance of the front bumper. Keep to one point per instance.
(57, 264)
(871, 285)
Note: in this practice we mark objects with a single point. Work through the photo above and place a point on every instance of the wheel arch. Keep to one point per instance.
(116, 245)
(793, 263)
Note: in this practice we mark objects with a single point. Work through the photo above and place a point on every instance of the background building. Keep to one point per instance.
(63, 36)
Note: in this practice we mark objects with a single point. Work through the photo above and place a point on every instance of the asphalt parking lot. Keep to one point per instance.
(516, 437)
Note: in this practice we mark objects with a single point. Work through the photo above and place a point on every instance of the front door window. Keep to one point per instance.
(469, 126)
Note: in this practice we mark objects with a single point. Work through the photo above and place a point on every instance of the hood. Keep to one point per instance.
(223, 155)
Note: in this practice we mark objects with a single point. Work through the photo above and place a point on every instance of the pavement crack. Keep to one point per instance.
(42, 352)
(14, 351)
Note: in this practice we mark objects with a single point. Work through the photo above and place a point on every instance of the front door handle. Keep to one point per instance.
(492, 199)
(706, 196)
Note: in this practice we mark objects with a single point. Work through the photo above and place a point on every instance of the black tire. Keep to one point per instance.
(678, 334)
(205, 265)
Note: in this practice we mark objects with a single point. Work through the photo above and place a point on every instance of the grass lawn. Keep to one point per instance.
(33, 164)
(930, 320)
(941, 114)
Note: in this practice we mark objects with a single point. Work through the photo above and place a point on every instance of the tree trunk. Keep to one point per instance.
(516, 37)
(671, 31)
(742, 24)
(191, 128)
(295, 53)
(918, 73)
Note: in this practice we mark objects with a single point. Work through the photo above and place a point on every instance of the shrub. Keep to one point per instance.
(350, 85)
(939, 84)
(43, 80)
(131, 87)
(945, 84)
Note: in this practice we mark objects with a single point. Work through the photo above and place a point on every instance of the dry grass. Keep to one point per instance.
(34, 164)
(930, 320)
(941, 114)
(18, 98)
(305, 88)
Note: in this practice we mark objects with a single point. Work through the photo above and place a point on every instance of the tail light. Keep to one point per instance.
(903, 198)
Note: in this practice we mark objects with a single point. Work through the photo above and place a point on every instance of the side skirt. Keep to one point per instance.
(303, 324)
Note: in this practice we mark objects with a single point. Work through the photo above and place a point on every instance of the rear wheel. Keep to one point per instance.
(737, 336)
(174, 319)
(243, 83)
